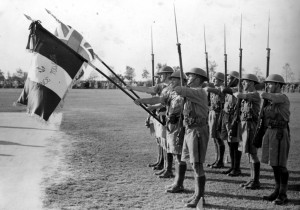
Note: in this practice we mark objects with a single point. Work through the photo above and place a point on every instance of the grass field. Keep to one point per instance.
(106, 149)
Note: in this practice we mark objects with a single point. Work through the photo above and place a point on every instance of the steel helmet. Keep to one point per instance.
(219, 75)
(165, 69)
(250, 77)
(197, 71)
(176, 74)
(234, 74)
(275, 78)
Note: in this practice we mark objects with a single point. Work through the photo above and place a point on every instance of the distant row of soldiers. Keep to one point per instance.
(191, 118)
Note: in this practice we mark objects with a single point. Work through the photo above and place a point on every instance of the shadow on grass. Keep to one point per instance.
(5, 155)
(214, 206)
(17, 144)
(230, 181)
(26, 128)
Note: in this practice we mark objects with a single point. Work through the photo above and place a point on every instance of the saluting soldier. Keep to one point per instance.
(249, 110)
(276, 140)
(228, 112)
(165, 165)
(173, 103)
(216, 105)
(196, 129)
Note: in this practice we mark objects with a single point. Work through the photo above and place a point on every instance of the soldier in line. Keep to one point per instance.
(228, 112)
(217, 103)
(165, 167)
(173, 103)
(151, 123)
(196, 129)
(249, 110)
(276, 140)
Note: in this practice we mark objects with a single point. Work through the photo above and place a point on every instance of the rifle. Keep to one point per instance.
(260, 130)
(207, 71)
(225, 57)
(181, 132)
(152, 56)
(236, 117)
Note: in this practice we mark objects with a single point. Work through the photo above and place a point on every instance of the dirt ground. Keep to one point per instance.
(96, 159)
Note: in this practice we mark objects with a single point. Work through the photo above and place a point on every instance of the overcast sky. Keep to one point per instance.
(120, 31)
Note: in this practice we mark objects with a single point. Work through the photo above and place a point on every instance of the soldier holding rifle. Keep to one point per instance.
(228, 111)
(165, 166)
(276, 140)
(248, 118)
(216, 105)
(196, 129)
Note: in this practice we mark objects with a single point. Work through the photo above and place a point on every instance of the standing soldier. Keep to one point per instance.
(276, 140)
(228, 112)
(173, 103)
(216, 105)
(249, 110)
(165, 166)
(196, 129)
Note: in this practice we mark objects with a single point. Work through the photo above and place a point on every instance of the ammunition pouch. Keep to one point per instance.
(191, 122)
(278, 124)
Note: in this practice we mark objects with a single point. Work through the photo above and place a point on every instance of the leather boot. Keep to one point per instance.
(161, 163)
(255, 184)
(282, 197)
(158, 157)
(200, 183)
(237, 162)
(217, 154)
(178, 187)
(168, 172)
(231, 153)
(251, 177)
(220, 162)
(275, 193)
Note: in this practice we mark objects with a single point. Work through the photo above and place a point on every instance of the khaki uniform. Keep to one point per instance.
(160, 130)
(228, 112)
(276, 141)
(195, 121)
(248, 121)
(174, 103)
(217, 101)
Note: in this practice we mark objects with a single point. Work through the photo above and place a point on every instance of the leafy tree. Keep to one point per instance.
(176, 68)
(212, 65)
(288, 73)
(159, 65)
(259, 74)
(1, 75)
(93, 76)
(145, 74)
(129, 73)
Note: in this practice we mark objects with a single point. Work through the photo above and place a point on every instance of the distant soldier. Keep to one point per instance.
(249, 110)
(276, 140)
(196, 129)
(228, 112)
(173, 103)
(165, 165)
(216, 105)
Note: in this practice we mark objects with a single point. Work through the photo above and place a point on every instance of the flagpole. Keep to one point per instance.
(94, 67)
(116, 84)
(122, 81)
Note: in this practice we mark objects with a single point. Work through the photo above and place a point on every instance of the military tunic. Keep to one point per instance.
(228, 112)
(195, 122)
(160, 130)
(174, 103)
(276, 141)
(217, 101)
(249, 108)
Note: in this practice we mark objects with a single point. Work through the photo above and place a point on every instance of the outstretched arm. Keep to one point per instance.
(151, 101)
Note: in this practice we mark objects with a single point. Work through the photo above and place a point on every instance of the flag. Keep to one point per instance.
(54, 66)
